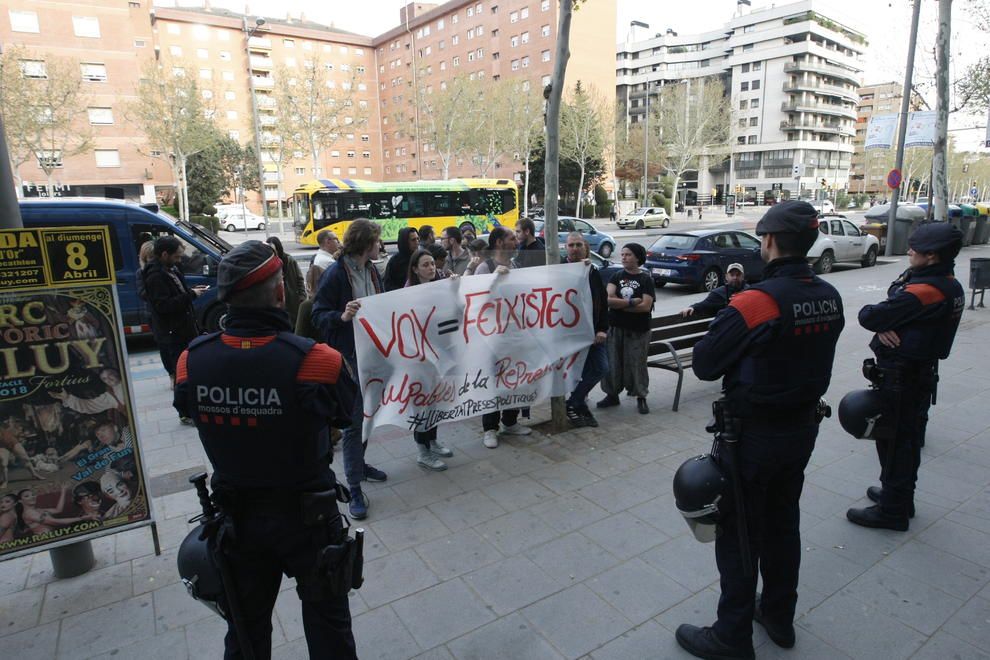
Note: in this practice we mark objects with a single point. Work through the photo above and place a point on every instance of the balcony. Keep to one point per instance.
(263, 83)
(832, 129)
(260, 62)
(822, 68)
(267, 120)
(821, 88)
(821, 108)
(265, 102)
(261, 43)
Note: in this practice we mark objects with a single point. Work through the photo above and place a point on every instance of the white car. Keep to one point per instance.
(840, 241)
(643, 217)
(242, 221)
(823, 206)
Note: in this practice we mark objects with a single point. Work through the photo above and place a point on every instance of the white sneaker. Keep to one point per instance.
(516, 429)
(491, 439)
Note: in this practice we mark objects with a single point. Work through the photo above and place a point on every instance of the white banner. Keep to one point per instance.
(455, 349)
(880, 131)
(920, 130)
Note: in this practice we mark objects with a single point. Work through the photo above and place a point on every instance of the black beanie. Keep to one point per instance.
(638, 250)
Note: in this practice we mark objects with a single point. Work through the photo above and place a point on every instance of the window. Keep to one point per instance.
(224, 55)
(34, 69)
(352, 170)
(93, 72)
(443, 65)
(336, 171)
(545, 5)
(139, 43)
(202, 53)
(754, 121)
(335, 154)
(49, 159)
(545, 31)
(227, 75)
(742, 122)
(24, 21)
(307, 45)
(480, 53)
(514, 17)
(752, 139)
(232, 115)
(755, 85)
(741, 139)
(470, 12)
(234, 135)
(300, 170)
(454, 40)
(351, 154)
(471, 59)
(290, 62)
(439, 24)
(754, 103)
(86, 26)
(524, 13)
(367, 171)
(545, 80)
(223, 35)
(744, 68)
(365, 138)
(456, 61)
(454, 19)
(515, 65)
(100, 116)
(744, 86)
(365, 154)
(545, 56)
(107, 158)
(747, 48)
(201, 32)
(175, 51)
(757, 66)
(206, 74)
(748, 28)
(470, 34)
(229, 96)
(514, 41)
(477, 8)
(173, 28)
(524, 37)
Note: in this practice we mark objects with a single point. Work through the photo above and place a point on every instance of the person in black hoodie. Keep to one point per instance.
(596, 363)
(398, 266)
(173, 320)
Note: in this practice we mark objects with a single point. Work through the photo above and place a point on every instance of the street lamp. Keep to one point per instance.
(248, 33)
(646, 127)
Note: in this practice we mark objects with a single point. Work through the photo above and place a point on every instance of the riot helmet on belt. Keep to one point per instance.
(699, 490)
(860, 412)
(199, 572)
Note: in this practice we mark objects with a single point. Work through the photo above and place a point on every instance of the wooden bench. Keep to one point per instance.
(672, 339)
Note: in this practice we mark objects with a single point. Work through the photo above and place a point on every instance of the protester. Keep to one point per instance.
(440, 261)
(295, 289)
(398, 266)
(630, 300)
(422, 269)
(173, 319)
(329, 246)
(457, 257)
(718, 299)
(501, 246)
(349, 279)
(532, 251)
(469, 233)
(478, 249)
(145, 256)
(304, 318)
(427, 237)
(596, 362)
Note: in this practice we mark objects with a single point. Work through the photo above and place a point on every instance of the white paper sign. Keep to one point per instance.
(880, 131)
(920, 130)
(455, 349)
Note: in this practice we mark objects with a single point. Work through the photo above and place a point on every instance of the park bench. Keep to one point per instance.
(672, 340)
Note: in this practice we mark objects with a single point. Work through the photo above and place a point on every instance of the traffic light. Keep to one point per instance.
(824, 182)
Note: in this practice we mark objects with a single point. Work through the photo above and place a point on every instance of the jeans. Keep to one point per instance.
(595, 368)
(771, 467)
(351, 443)
(266, 547)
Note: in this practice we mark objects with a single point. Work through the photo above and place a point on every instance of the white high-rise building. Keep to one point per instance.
(792, 74)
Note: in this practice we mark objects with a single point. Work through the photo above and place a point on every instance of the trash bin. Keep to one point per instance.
(982, 232)
(979, 273)
(967, 223)
(903, 228)
(879, 230)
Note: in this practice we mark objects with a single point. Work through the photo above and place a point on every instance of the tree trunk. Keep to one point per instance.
(551, 171)
(185, 190)
(673, 204)
(580, 193)
(940, 187)
(526, 187)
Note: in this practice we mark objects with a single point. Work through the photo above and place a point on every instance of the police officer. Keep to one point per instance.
(790, 318)
(260, 397)
(914, 327)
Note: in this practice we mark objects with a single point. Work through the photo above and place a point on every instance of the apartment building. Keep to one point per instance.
(108, 40)
(432, 43)
(868, 172)
(791, 74)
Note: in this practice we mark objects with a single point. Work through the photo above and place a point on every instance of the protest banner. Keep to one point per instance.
(70, 464)
(455, 349)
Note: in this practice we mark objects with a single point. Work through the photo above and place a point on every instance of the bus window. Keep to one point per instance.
(442, 204)
(508, 200)
(411, 205)
(300, 209)
(380, 205)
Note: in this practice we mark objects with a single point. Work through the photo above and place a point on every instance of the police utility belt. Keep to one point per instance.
(923, 375)
(759, 418)
(340, 560)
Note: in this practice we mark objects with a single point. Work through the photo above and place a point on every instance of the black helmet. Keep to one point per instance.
(699, 488)
(859, 412)
(199, 572)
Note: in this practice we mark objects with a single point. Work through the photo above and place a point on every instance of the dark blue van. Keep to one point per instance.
(130, 225)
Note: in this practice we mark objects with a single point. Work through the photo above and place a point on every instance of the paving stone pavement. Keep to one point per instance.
(570, 546)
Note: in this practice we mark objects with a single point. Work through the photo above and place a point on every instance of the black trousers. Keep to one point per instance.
(771, 467)
(489, 421)
(425, 437)
(900, 452)
(266, 547)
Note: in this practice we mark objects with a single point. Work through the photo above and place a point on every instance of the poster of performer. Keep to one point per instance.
(69, 463)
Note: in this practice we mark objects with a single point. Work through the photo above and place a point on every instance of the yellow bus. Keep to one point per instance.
(332, 203)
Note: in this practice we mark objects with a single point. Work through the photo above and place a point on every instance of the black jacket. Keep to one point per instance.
(717, 300)
(397, 269)
(170, 298)
(599, 300)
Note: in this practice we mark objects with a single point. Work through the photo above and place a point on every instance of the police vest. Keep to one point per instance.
(248, 414)
(794, 366)
(930, 338)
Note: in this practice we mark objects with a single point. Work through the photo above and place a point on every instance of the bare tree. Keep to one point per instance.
(695, 118)
(448, 118)
(44, 110)
(630, 151)
(523, 129)
(319, 107)
(490, 139)
(581, 135)
(176, 119)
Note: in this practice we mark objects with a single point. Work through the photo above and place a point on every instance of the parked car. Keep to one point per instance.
(599, 241)
(236, 220)
(606, 267)
(841, 241)
(699, 258)
(823, 206)
(643, 217)
(130, 225)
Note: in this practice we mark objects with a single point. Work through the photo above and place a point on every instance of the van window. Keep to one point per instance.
(193, 259)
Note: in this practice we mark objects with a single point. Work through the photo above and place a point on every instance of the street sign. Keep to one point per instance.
(730, 204)
(894, 179)
(776, 186)
(974, 191)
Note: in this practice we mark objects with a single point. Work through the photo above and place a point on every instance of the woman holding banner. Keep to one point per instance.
(422, 268)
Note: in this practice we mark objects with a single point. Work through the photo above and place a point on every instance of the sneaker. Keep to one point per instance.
(589, 419)
(440, 450)
(431, 461)
(608, 402)
(516, 429)
(358, 506)
(491, 439)
(574, 416)
(187, 421)
(374, 474)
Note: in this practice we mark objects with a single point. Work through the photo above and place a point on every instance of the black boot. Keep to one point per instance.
(780, 634)
(608, 402)
(874, 516)
(704, 643)
(873, 492)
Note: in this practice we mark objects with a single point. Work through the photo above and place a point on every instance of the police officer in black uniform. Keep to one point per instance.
(773, 345)
(914, 327)
(260, 397)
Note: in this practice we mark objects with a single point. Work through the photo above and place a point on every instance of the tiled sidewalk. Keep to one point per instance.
(570, 546)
